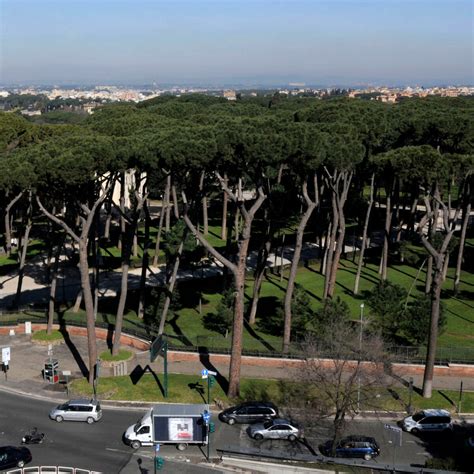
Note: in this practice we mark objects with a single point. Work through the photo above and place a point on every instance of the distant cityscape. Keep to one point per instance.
(86, 99)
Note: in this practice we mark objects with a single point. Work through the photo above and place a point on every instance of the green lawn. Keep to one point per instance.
(192, 389)
(185, 327)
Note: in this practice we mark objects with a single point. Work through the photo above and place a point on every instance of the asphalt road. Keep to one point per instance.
(95, 447)
(99, 446)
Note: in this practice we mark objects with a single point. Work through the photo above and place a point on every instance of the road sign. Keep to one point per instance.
(66, 372)
(204, 373)
(157, 347)
(5, 355)
(206, 417)
(211, 372)
(392, 428)
(157, 448)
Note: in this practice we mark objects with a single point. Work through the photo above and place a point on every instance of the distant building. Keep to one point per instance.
(230, 95)
(30, 113)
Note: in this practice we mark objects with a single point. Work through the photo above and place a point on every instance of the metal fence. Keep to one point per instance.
(217, 345)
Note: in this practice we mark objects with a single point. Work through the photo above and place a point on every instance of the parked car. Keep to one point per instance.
(278, 428)
(249, 412)
(353, 446)
(430, 420)
(77, 410)
(14, 457)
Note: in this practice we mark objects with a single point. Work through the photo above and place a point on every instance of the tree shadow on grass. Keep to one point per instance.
(177, 330)
(71, 346)
(137, 373)
(206, 362)
(259, 338)
(198, 388)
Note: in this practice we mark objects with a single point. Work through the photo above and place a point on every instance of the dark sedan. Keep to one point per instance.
(249, 412)
(353, 447)
(14, 457)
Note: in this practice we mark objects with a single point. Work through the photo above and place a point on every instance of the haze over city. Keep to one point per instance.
(233, 42)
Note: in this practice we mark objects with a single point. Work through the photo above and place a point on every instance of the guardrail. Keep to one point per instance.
(51, 470)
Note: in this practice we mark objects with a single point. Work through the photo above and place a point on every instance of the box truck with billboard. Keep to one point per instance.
(171, 423)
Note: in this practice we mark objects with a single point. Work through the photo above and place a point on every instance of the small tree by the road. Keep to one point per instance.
(221, 320)
(350, 381)
(387, 302)
(415, 320)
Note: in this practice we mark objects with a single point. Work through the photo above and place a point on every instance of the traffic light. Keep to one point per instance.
(159, 463)
(212, 427)
(211, 381)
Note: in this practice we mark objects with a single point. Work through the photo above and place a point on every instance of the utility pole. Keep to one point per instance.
(360, 351)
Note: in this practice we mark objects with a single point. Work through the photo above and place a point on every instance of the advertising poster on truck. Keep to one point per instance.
(180, 429)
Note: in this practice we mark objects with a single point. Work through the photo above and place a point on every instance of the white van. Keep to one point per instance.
(77, 410)
(430, 420)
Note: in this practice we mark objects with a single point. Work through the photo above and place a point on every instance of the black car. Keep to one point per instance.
(249, 412)
(353, 447)
(14, 457)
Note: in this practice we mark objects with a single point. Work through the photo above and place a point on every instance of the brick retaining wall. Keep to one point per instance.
(453, 370)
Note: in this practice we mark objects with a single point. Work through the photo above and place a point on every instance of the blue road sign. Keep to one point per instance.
(157, 448)
(206, 416)
(204, 373)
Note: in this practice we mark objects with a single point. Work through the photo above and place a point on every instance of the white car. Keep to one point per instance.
(277, 428)
(430, 420)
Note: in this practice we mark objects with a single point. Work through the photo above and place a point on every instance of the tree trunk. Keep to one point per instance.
(89, 305)
(345, 179)
(171, 285)
(445, 267)
(205, 220)
(364, 237)
(237, 328)
(433, 335)
(82, 242)
(167, 203)
(310, 206)
(108, 221)
(24, 250)
(120, 308)
(158, 235)
(135, 244)
(52, 291)
(462, 241)
(258, 277)
(145, 259)
(175, 202)
(78, 302)
(386, 241)
(239, 278)
(438, 257)
(429, 275)
(8, 231)
(122, 210)
(330, 242)
(225, 199)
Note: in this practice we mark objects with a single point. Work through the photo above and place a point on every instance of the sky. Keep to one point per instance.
(248, 42)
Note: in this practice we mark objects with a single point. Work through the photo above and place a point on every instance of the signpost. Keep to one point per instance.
(394, 429)
(66, 374)
(96, 376)
(159, 462)
(209, 375)
(160, 347)
(206, 416)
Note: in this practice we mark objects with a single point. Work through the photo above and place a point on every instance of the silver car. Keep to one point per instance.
(277, 428)
(77, 410)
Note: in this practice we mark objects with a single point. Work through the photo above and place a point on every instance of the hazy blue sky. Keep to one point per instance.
(232, 41)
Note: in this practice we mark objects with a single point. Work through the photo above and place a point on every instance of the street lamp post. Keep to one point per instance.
(360, 350)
